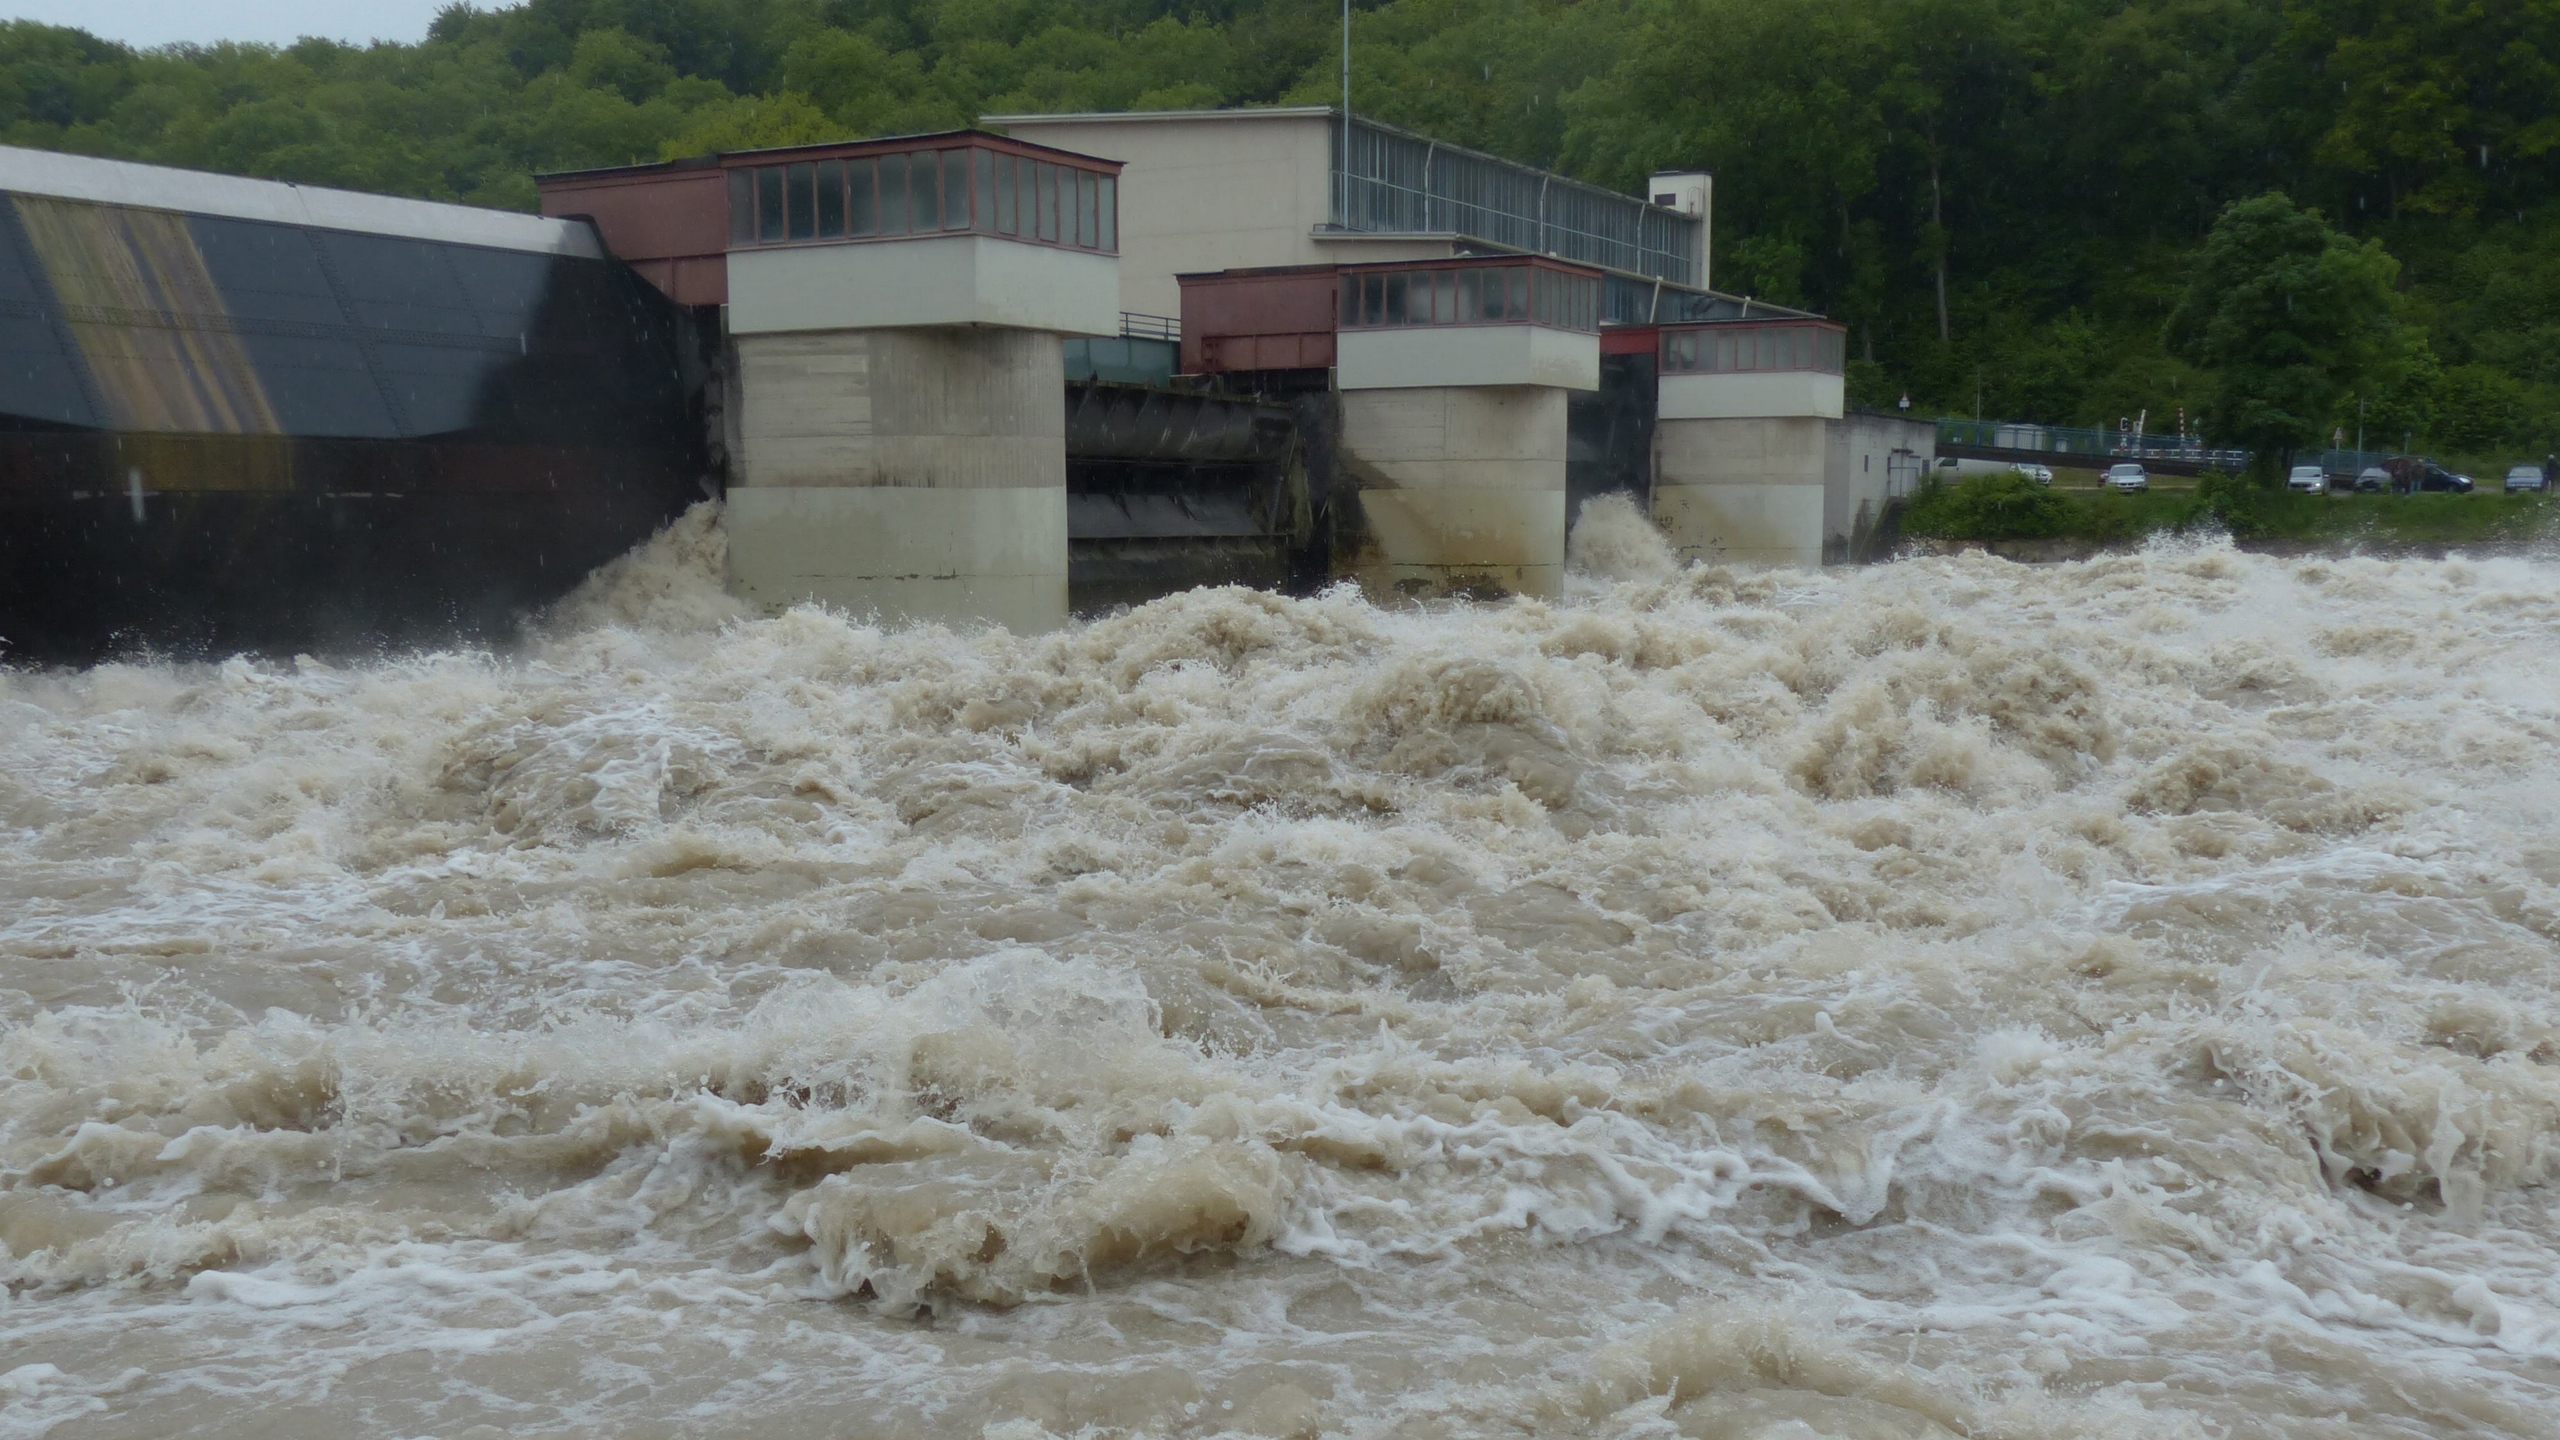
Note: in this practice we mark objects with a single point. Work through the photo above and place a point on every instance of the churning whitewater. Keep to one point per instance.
(1943, 998)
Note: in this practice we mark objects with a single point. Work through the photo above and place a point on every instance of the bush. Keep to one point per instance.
(2240, 505)
(2005, 506)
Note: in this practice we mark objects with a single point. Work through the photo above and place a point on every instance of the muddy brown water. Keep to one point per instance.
(2113, 998)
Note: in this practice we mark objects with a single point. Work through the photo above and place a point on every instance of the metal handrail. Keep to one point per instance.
(2066, 440)
(1135, 325)
(1391, 181)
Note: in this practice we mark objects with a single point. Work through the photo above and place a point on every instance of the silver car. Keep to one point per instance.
(2308, 479)
(2527, 477)
(2127, 478)
(2041, 474)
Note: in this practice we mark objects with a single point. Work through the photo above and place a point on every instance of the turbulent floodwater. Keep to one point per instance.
(1946, 998)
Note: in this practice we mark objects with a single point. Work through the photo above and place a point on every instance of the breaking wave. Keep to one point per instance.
(1947, 998)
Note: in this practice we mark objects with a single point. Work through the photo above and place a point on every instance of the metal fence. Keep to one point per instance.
(2108, 445)
(1400, 182)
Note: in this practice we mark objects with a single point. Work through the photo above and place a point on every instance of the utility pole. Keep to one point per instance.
(1346, 114)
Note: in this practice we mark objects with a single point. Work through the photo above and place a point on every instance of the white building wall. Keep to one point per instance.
(1858, 473)
(1466, 355)
(935, 280)
(1753, 394)
(1204, 191)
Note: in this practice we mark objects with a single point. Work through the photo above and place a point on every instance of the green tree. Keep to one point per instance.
(2289, 314)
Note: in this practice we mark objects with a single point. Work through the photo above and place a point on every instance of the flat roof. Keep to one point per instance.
(1334, 113)
(821, 149)
(1241, 112)
(200, 192)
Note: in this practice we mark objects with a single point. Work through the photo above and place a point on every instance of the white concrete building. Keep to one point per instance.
(1210, 190)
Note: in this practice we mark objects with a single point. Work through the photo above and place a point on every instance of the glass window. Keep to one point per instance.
(830, 199)
(1724, 354)
(1349, 285)
(742, 207)
(1008, 209)
(893, 194)
(982, 195)
(1373, 299)
(1470, 296)
(769, 203)
(1518, 306)
(955, 189)
(1110, 212)
(862, 208)
(1444, 297)
(1397, 311)
(800, 183)
(1088, 209)
(1045, 184)
(1026, 176)
(924, 192)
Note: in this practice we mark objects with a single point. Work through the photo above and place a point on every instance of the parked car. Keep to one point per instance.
(2041, 474)
(2417, 472)
(2372, 480)
(2527, 477)
(2309, 479)
(2128, 477)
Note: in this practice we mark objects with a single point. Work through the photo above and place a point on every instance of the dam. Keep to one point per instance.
(1005, 375)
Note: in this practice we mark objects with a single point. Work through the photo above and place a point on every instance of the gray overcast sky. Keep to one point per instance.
(276, 22)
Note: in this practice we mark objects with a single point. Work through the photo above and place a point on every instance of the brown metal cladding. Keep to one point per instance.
(671, 226)
(1281, 318)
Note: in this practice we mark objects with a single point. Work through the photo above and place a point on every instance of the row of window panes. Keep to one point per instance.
(1476, 295)
(1755, 347)
(921, 192)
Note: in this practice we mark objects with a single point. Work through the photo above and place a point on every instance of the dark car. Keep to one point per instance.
(2417, 472)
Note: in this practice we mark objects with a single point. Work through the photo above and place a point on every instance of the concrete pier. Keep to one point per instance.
(1454, 383)
(916, 473)
(1743, 440)
(1460, 489)
(895, 314)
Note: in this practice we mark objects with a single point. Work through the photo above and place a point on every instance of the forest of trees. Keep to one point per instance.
(2008, 201)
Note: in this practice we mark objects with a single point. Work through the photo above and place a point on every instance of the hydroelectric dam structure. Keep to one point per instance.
(964, 378)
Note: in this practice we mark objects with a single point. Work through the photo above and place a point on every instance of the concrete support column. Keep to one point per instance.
(918, 473)
(1743, 439)
(1742, 491)
(1457, 489)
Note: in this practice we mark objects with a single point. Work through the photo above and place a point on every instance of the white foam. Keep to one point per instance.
(1952, 997)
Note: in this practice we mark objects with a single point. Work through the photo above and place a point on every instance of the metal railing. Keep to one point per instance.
(1137, 326)
(1400, 182)
(2096, 444)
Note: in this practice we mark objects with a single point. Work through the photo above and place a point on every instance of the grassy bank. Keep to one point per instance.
(2008, 507)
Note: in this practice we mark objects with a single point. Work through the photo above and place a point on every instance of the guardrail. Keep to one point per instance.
(1136, 326)
(2097, 445)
